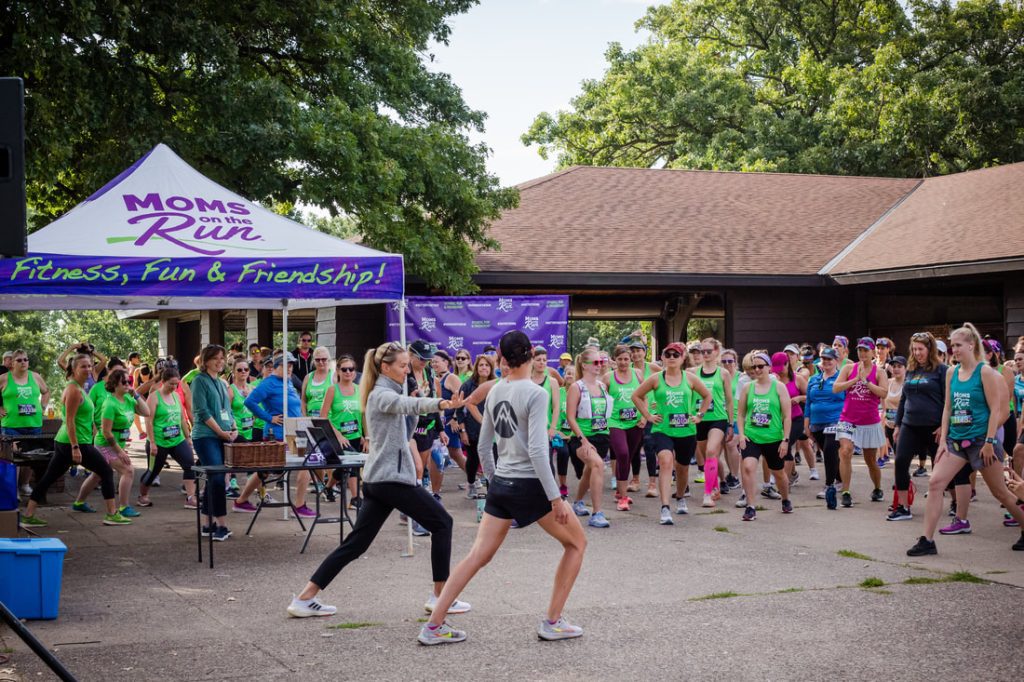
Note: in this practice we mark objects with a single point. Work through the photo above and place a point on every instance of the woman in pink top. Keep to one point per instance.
(860, 424)
(796, 386)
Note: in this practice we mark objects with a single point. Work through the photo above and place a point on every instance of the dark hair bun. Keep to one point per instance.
(516, 348)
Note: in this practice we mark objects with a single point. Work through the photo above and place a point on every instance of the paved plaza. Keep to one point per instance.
(709, 598)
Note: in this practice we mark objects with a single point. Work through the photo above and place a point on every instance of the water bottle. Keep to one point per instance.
(73, 471)
(557, 441)
(438, 453)
(480, 509)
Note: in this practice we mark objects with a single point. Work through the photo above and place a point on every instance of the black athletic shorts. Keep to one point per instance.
(684, 448)
(796, 431)
(522, 499)
(601, 441)
(425, 440)
(704, 428)
(770, 452)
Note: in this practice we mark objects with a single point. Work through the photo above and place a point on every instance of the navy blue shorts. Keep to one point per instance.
(522, 499)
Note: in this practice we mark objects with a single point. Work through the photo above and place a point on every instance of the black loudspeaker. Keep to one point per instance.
(13, 240)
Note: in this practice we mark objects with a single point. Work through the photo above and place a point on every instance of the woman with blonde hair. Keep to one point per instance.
(588, 408)
(974, 410)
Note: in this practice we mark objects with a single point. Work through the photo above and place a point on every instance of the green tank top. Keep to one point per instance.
(315, 394)
(22, 403)
(764, 415)
(244, 419)
(546, 385)
(596, 424)
(674, 404)
(969, 413)
(464, 376)
(716, 386)
(624, 412)
(345, 414)
(563, 417)
(121, 414)
(258, 425)
(167, 422)
(98, 394)
(83, 422)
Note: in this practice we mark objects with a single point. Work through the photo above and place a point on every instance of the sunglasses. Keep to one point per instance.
(346, 369)
(321, 359)
(596, 362)
(123, 382)
(21, 359)
(707, 351)
(758, 367)
(727, 361)
(305, 340)
(671, 354)
(242, 369)
(462, 357)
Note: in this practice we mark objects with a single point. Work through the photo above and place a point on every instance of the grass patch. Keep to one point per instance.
(850, 554)
(717, 595)
(722, 529)
(791, 589)
(713, 511)
(922, 580)
(353, 626)
(872, 582)
(965, 577)
(422, 620)
(877, 591)
(760, 508)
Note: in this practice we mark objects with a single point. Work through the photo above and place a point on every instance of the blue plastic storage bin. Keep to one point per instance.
(30, 575)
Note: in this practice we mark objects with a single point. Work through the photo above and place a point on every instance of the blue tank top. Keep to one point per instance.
(969, 415)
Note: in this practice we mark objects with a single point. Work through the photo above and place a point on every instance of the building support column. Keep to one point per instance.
(326, 329)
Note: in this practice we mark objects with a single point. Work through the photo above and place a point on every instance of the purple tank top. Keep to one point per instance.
(861, 405)
(794, 392)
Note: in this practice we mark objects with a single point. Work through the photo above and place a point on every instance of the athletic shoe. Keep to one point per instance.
(733, 482)
(269, 499)
(115, 519)
(814, 475)
(634, 486)
(243, 507)
(974, 495)
(666, 516)
(693, 460)
(742, 502)
(622, 504)
(771, 493)
(699, 478)
(233, 483)
(129, 512)
(190, 502)
(563, 491)
(923, 547)
(143, 502)
(882, 461)
(1009, 521)
(958, 527)
(750, 514)
(580, 508)
(207, 530)
(830, 497)
(305, 512)
(437, 498)
(787, 507)
(441, 634)
(708, 502)
(232, 494)
(471, 491)
(952, 508)
(847, 499)
(900, 513)
(819, 458)
(1019, 545)
(560, 629)
(304, 608)
(418, 530)
(456, 607)
(652, 490)
(723, 488)
(221, 534)
(403, 520)
(797, 459)
(794, 478)
(598, 521)
(155, 483)
(82, 507)
(681, 507)
(25, 489)
(613, 483)
(919, 472)
(877, 495)
(821, 495)
(31, 522)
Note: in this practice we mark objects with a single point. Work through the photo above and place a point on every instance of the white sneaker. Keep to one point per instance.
(708, 502)
(814, 475)
(310, 607)
(471, 491)
(821, 495)
(456, 607)
(742, 502)
(681, 507)
(666, 516)
(560, 629)
(269, 499)
(26, 489)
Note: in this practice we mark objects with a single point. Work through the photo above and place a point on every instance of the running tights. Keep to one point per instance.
(61, 461)
(181, 453)
(625, 447)
(914, 441)
(472, 461)
(379, 499)
(830, 453)
(649, 454)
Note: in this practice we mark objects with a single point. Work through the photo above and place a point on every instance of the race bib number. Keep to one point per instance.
(761, 420)
(845, 429)
(349, 427)
(564, 426)
(172, 431)
(830, 429)
(678, 421)
(599, 424)
(961, 418)
(890, 415)
(420, 431)
(247, 423)
(124, 434)
(225, 417)
(26, 410)
(627, 414)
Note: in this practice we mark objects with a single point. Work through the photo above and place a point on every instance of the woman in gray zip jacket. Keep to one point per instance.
(389, 480)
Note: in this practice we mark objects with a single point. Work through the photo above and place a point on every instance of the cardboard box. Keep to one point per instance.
(9, 524)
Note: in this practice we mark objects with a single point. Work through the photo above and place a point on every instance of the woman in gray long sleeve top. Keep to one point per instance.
(389, 481)
(522, 488)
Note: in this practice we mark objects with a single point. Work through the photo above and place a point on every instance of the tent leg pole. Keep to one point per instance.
(284, 390)
(410, 550)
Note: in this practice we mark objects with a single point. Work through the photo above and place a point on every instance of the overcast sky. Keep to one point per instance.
(516, 58)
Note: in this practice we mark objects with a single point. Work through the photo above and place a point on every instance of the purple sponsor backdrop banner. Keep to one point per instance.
(48, 274)
(473, 322)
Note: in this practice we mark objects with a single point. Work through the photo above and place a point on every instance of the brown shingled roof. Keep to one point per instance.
(680, 221)
(967, 217)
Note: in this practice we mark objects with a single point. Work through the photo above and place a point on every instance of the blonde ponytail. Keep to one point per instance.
(970, 332)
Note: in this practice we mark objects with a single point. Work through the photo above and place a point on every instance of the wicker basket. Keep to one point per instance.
(267, 454)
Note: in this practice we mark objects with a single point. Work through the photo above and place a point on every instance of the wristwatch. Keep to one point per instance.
(993, 441)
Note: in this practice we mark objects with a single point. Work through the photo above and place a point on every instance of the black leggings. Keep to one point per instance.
(562, 460)
(379, 499)
(650, 454)
(830, 453)
(181, 453)
(472, 460)
(913, 441)
(61, 461)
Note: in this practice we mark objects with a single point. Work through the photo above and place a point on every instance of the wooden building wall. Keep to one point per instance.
(772, 317)
(359, 327)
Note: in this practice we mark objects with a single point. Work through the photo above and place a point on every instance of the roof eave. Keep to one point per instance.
(988, 267)
(603, 280)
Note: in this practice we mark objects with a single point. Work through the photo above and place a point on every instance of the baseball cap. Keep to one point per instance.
(421, 349)
(637, 343)
(565, 356)
(540, 350)
(829, 353)
(898, 360)
(779, 362)
(283, 357)
(792, 348)
(867, 343)
(677, 347)
(941, 346)
(883, 342)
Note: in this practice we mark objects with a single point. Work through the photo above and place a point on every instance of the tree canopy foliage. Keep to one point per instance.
(850, 87)
(317, 101)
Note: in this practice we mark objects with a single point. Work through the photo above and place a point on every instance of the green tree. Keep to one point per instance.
(808, 86)
(325, 102)
(607, 332)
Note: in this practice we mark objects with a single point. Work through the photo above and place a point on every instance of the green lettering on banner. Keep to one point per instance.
(214, 274)
(152, 267)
